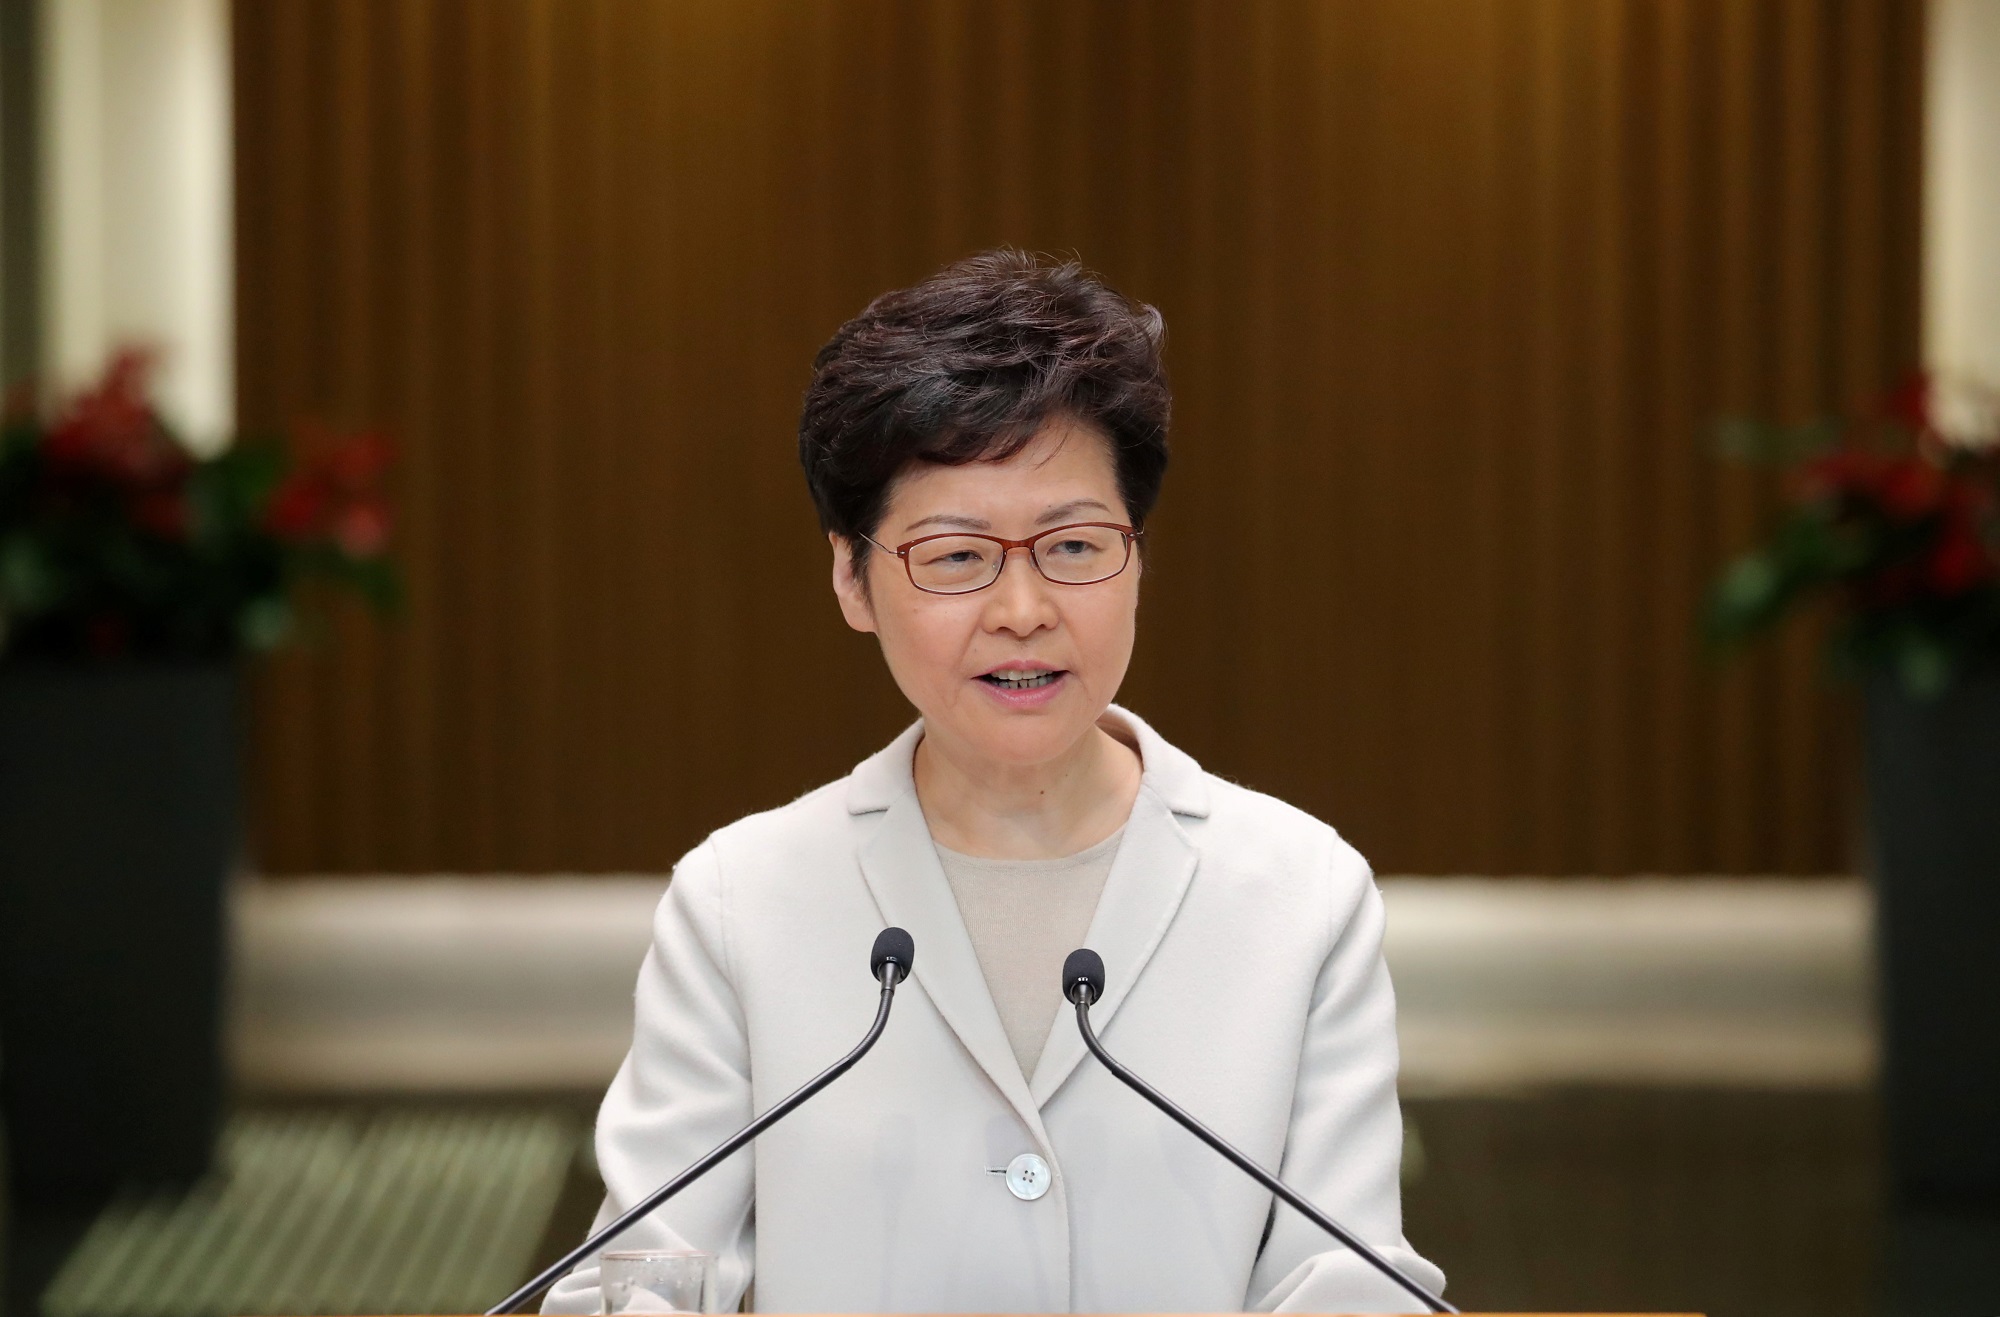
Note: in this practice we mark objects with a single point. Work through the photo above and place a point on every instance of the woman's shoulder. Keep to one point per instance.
(1263, 853)
(805, 825)
(1239, 827)
(1248, 822)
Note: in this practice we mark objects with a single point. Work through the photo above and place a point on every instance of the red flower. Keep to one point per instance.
(360, 462)
(1968, 498)
(355, 463)
(298, 509)
(1909, 488)
(361, 528)
(163, 512)
(1905, 488)
(110, 431)
(1844, 472)
(336, 494)
(1957, 562)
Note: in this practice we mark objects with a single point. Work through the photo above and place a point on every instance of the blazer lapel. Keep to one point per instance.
(1148, 879)
(900, 865)
(1155, 863)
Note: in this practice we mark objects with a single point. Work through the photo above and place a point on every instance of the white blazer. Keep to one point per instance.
(1242, 945)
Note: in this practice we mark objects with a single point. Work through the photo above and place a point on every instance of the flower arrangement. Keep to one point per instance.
(1897, 518)
(116, 541)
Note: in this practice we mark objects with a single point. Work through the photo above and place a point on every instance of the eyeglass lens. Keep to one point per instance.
(1074, 555)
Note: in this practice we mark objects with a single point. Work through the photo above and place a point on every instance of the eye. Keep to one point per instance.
(1074, 548)
(949, 557)
(951, 561)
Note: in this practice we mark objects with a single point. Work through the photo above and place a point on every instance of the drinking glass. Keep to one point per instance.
(657, 1280)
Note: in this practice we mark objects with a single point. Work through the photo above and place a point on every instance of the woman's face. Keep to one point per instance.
(947, 652)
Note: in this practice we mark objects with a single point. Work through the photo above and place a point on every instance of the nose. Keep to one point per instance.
(1019, 601)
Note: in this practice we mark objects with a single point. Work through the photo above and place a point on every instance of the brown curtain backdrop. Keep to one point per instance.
(1454, 289)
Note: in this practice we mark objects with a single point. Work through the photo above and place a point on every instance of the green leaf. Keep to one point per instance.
(1751, 584)
(29, 582)
(378, 583)
(1750, 593)
(1744, 439)
(228, 492)
(265, 623)
(1925, 666)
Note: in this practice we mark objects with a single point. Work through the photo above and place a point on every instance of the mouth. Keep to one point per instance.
(1023, 679)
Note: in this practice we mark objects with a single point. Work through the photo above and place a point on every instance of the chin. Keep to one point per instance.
(1025, 739)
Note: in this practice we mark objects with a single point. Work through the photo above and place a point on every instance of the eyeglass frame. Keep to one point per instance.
(1007, 547)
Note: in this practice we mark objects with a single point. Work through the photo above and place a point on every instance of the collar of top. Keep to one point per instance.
(878, 781)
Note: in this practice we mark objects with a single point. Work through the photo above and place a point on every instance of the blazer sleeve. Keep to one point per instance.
(1344, 1146)
(683, 1088)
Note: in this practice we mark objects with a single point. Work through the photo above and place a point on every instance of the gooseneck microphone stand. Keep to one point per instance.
(1083, 984)
(890, 961)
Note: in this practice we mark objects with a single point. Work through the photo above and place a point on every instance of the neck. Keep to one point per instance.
(1026, 811)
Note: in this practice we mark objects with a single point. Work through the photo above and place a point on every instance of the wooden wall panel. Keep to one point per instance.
(1453, 289)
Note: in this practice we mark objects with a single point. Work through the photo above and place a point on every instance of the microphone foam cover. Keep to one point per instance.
(893, 944)
(1084, 969)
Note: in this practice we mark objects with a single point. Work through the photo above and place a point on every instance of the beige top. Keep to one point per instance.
(1024, 917)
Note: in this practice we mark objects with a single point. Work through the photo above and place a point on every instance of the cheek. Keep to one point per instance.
(923, 642)
(1104, 630)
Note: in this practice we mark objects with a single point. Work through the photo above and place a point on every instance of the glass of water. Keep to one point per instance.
(657, 1280)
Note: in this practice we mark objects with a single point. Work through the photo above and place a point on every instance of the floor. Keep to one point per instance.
(1627, 1095)
(337, 1209)
(392, 1204)
(1647, 1199)
(1722, 1201)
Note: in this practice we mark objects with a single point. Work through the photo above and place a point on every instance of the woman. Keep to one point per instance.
(983, 450)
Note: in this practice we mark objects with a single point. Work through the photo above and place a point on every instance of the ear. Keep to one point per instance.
(854, 605)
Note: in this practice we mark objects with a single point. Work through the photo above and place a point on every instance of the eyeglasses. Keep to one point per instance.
(961, 562)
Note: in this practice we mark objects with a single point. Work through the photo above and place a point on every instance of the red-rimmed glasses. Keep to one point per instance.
(960, 562)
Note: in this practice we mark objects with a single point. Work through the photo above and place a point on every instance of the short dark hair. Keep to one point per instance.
(967, 366)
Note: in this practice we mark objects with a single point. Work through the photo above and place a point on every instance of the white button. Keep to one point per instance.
(1027, 1177)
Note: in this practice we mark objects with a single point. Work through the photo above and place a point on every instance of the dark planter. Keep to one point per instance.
(118, 829)
(1934, 798)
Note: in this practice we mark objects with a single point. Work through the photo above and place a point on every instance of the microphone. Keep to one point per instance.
(889, 961)
(1083, 984)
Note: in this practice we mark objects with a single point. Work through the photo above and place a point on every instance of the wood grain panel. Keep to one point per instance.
(1453, 288)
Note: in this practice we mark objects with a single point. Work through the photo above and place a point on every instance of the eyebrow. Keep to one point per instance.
(1064, 510)
(1049, 518)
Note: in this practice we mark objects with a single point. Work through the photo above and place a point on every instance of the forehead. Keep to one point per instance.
(1064, 463)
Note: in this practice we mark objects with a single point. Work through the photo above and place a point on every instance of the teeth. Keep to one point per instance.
(1022, 680)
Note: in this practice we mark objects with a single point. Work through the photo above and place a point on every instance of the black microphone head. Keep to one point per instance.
(1083, 972)
(893, 945)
